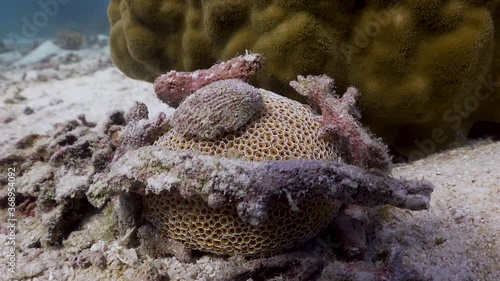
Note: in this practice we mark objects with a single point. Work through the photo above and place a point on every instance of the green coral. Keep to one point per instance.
(422, 66)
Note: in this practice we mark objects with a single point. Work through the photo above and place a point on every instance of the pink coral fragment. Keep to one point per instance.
(339, 118)
(175, 86)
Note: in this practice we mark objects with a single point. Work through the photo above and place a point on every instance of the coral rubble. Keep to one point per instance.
(55, 172)
(174, 86)
(339, 119)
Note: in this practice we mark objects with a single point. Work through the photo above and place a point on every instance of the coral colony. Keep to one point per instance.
(427, 69)
(236, 170)
(268, 181)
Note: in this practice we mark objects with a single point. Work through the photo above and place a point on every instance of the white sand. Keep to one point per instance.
(54, 101)
(464, 216)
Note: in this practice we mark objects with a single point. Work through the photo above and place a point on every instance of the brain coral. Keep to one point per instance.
(425, 68)
(283, 129)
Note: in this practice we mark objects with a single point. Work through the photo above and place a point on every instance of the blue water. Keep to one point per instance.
(31, 19)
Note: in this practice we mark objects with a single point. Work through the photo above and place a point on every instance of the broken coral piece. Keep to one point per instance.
(55, 170)
(254, 186)
(140, 131)
(175, 86)
(339, 118)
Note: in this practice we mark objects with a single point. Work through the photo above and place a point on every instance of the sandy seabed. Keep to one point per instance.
(458, 238)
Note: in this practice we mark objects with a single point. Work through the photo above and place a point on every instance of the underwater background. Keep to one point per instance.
(77, 88)
(43, 18)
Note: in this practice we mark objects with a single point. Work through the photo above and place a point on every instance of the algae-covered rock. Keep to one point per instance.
(69, 40)
(426, 69)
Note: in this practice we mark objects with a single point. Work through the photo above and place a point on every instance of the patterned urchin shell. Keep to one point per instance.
(217, 109)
